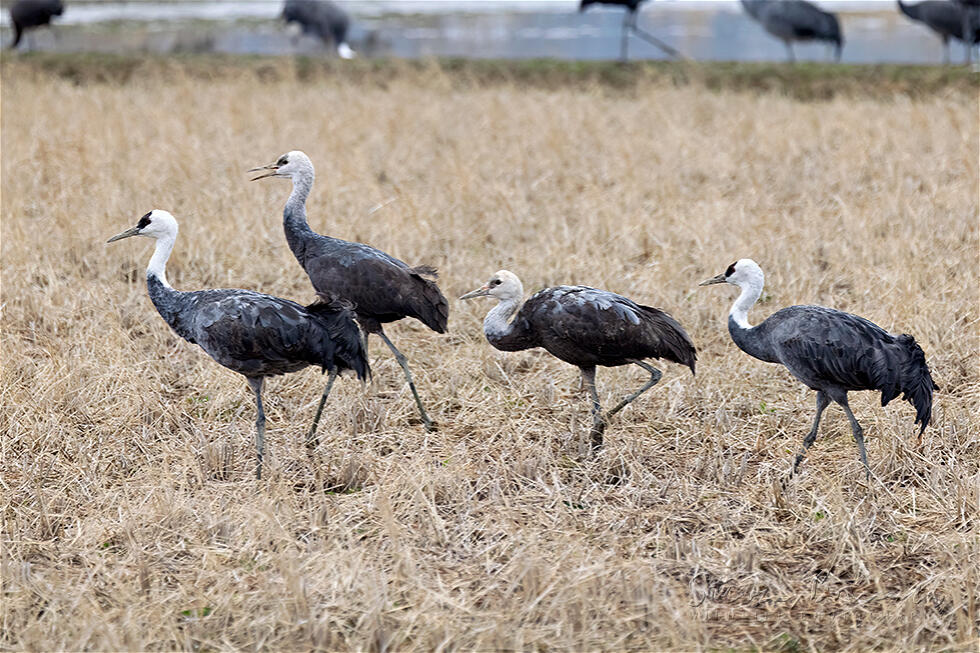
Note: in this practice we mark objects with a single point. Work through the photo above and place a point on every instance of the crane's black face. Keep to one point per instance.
(144, 222)
(721, 278)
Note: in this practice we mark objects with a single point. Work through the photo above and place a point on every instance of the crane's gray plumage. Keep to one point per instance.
(796, 20)
(585, 327)
(831, 352)
(629, 24)
(320, 18)
(947, 19)
(251, 333)
(380, 287)
(28, 14)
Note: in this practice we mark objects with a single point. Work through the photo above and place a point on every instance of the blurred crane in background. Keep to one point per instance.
(28, 14)
(323, 19)
(629, 24)
(959, 20)
(796, 20)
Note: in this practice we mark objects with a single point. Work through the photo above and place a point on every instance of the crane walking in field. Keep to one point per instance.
(585, 327)
(321, 18)
(28, 14)
(831, 352)
(381, 288)
(250, 333)
(796, 20)
(948, 20)
(629, 24)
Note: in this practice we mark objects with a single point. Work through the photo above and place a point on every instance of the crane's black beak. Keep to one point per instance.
(479, 292)
(272, 169)
(713, 280)
(133, 231)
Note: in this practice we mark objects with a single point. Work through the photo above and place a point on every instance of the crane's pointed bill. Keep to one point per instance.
(713, 280)
(132, 231)
(271, 169)
(479, 292)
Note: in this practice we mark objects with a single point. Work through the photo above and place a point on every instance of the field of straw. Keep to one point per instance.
(131, 516)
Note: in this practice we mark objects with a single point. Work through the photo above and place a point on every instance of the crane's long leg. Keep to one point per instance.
(408, 375)
(598, 422)
(789, 49)
(655, 375)
(624, 38)
(312, 442)
(858, 434)
(256, 384)
(653, 40)
(946, 50)
(822, 402)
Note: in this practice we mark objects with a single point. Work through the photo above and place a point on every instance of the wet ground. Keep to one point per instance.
(711, 30)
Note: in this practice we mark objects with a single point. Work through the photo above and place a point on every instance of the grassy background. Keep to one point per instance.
(131, 519)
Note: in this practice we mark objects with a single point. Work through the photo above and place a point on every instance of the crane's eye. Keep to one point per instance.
(282, 161)
(730, 271)
(495, 282)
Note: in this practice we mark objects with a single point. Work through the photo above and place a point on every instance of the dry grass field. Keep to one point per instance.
(131, 517)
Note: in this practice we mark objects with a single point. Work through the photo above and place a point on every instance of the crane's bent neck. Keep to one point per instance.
(295, 210)
(739, 314)
(158, 262)
(497, 322)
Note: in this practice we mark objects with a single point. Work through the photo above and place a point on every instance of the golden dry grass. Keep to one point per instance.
(131, 519)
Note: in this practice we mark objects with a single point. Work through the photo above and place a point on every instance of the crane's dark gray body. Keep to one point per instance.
(381, 288)
(796, 20)
(259, 335)
(948, 20)
(835, 352)
(588, 327)
(320, 18)
(27, 14)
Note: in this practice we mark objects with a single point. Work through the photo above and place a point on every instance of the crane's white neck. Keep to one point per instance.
(302, 184)
(158, 262)
(751, 290)
(497, 321)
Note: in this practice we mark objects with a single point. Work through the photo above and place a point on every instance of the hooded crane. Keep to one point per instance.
(796, 20)
(250, 333)
(947, 19)
(831, 352)
(28, 14)
(629, 24)
(323, 19)
(381, 288)
(585, 327)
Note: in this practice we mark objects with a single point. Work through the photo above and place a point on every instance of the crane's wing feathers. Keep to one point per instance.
(580, 322)
(381, 287)
(260, 335)
(823, 346)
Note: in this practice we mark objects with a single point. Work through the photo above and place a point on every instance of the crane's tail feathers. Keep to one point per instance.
(433, 310)
(914, 381)
(675, 344)
(340, 345)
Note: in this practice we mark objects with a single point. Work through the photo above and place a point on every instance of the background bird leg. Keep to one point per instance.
(653, 40)
(312, 442)
(408, 376)
(598, 423)
(822, 402)
(655, 375)
(256, 384)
